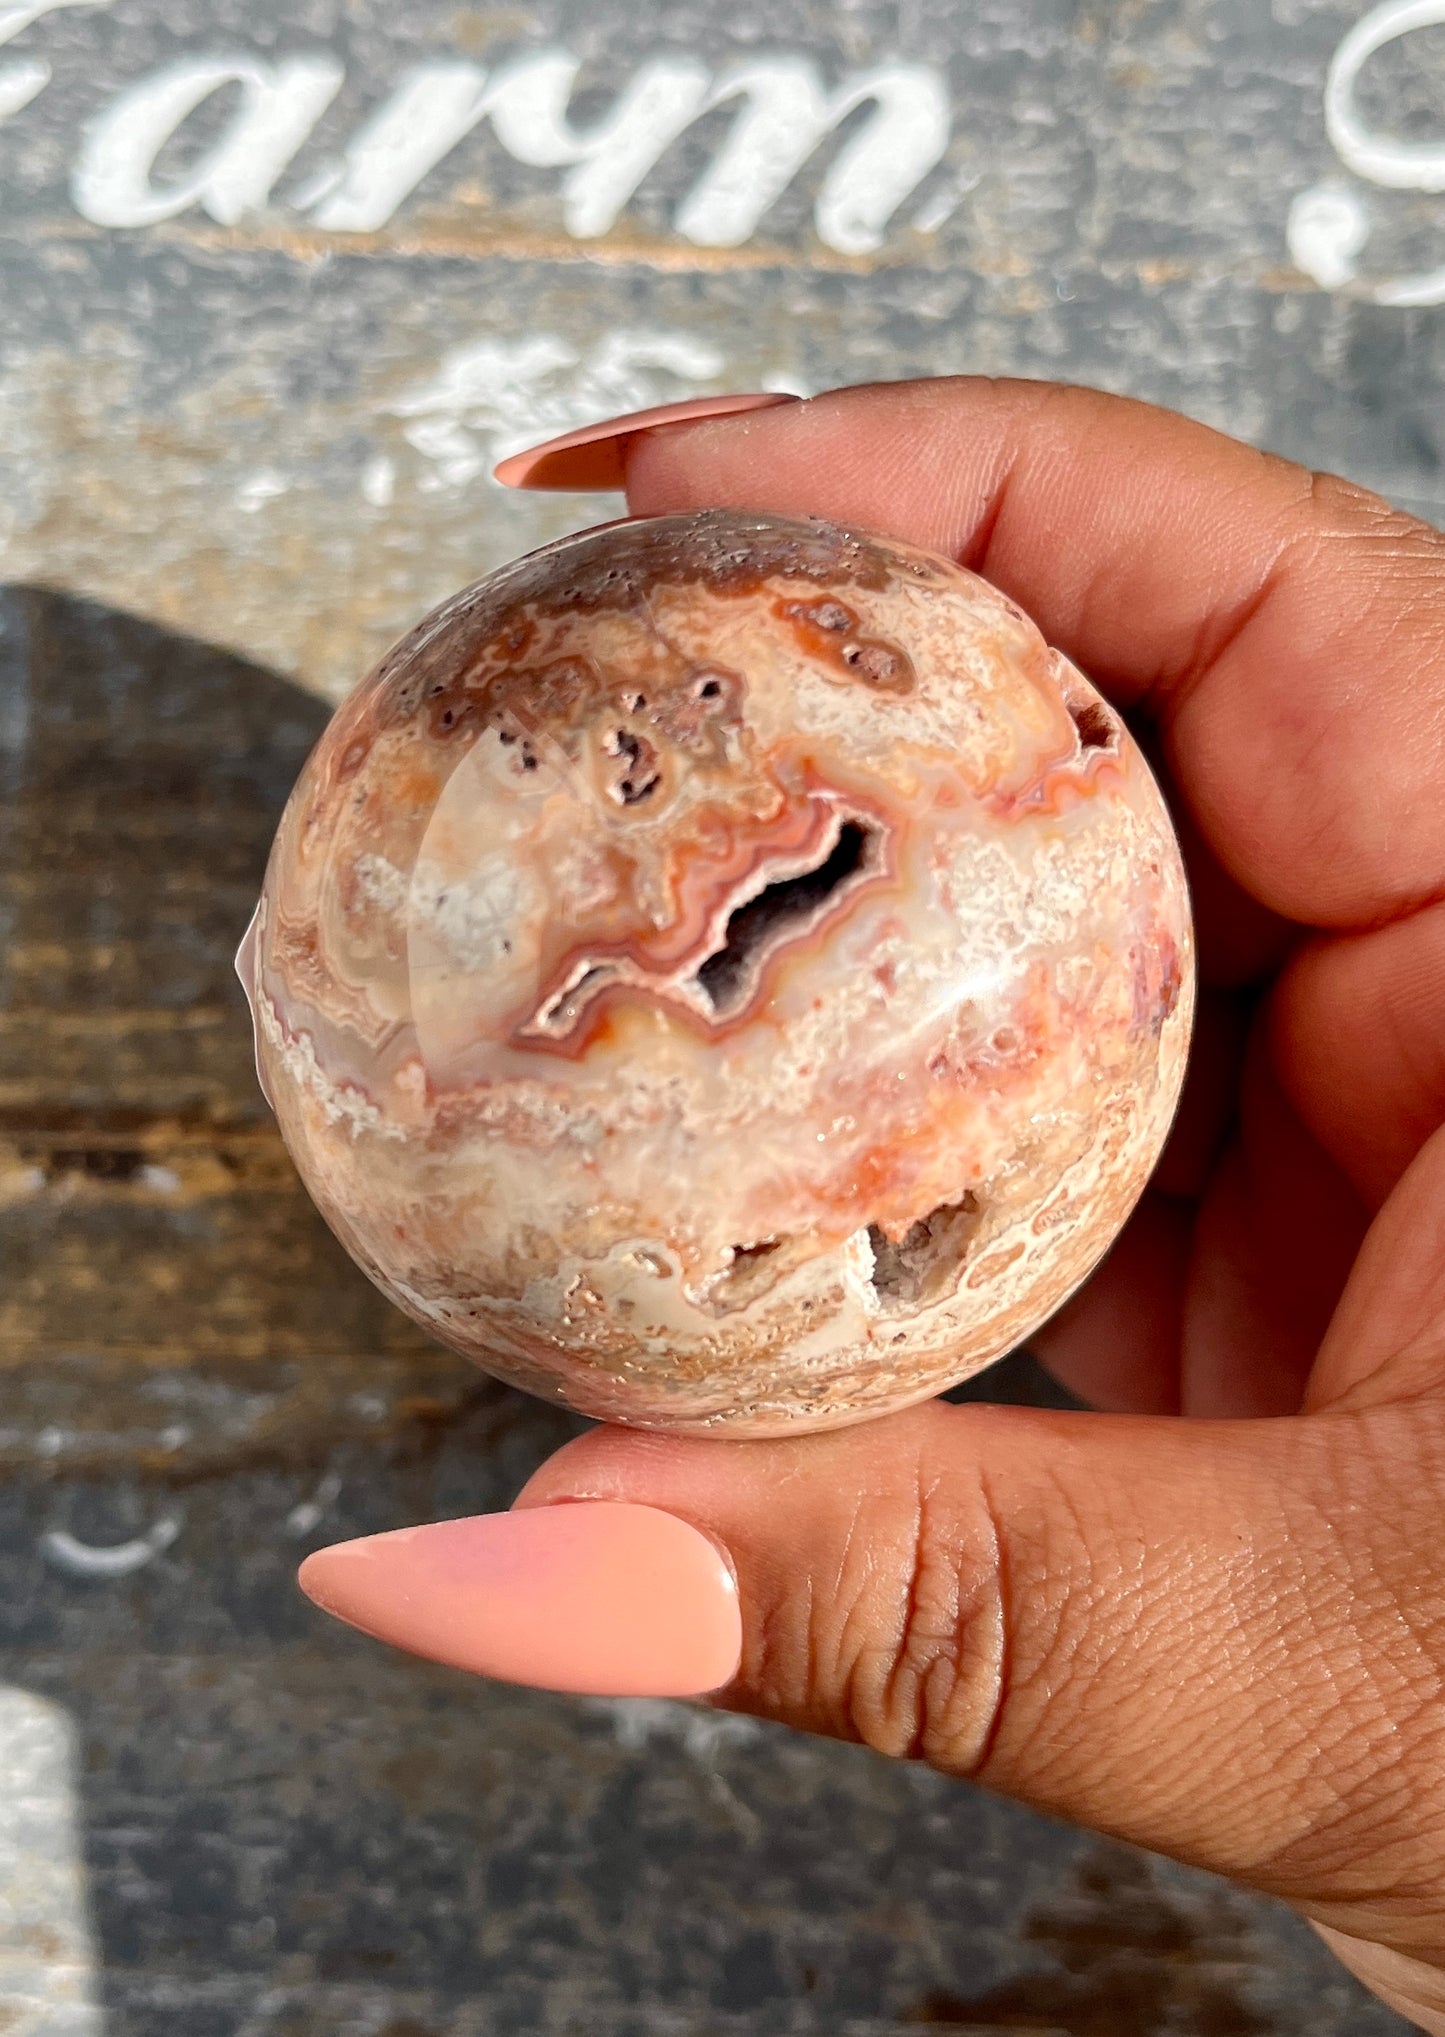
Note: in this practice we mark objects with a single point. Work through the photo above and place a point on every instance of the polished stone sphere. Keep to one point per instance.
(726, 974)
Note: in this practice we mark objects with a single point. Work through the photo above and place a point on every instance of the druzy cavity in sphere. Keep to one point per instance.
(725, 973)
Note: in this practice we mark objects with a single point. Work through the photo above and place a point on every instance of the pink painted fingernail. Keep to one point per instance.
(592, 457)
(593, 1596)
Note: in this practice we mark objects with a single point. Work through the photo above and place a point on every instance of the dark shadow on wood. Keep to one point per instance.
(172, 1303)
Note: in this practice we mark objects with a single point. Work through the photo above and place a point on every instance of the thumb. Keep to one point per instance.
(1183, 1633)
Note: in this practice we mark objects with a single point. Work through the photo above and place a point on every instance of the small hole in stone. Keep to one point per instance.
(924, 1264)
(641, 780)
(725, 974)
(1097, 728)
(650, 1261)
(878, 665)
(750, 1272)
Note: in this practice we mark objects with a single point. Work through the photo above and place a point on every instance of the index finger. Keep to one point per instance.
(1286, 627)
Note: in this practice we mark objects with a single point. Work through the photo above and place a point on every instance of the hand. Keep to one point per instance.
(1221, 1637)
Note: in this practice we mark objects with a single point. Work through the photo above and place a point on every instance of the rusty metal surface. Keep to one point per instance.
(255, 359)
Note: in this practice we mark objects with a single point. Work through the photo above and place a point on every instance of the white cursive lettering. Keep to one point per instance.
(787, 116)
(1327, 228)
(495, 395)
(423, 120)
(19, 83)
(13, 19)
(22, 80)
(1329, 224)
(280, 104)
(529, 113)
(1404, 165)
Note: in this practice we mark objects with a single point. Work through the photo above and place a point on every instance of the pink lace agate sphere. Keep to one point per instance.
(725, 974)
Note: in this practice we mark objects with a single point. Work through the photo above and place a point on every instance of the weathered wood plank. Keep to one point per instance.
(268, 428)
(170, 1301)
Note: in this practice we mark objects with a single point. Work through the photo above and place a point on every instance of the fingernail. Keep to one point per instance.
(594, 1596)
(593, 456)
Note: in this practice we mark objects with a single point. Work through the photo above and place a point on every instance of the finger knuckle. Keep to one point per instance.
(917, 1640)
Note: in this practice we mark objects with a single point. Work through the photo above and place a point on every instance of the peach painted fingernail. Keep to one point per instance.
(592, 457)
(594, 1596)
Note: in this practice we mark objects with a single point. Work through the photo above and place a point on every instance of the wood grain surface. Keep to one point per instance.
(249, 393)
(171, 1300)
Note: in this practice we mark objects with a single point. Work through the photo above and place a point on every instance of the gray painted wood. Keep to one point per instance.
(245, 440)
